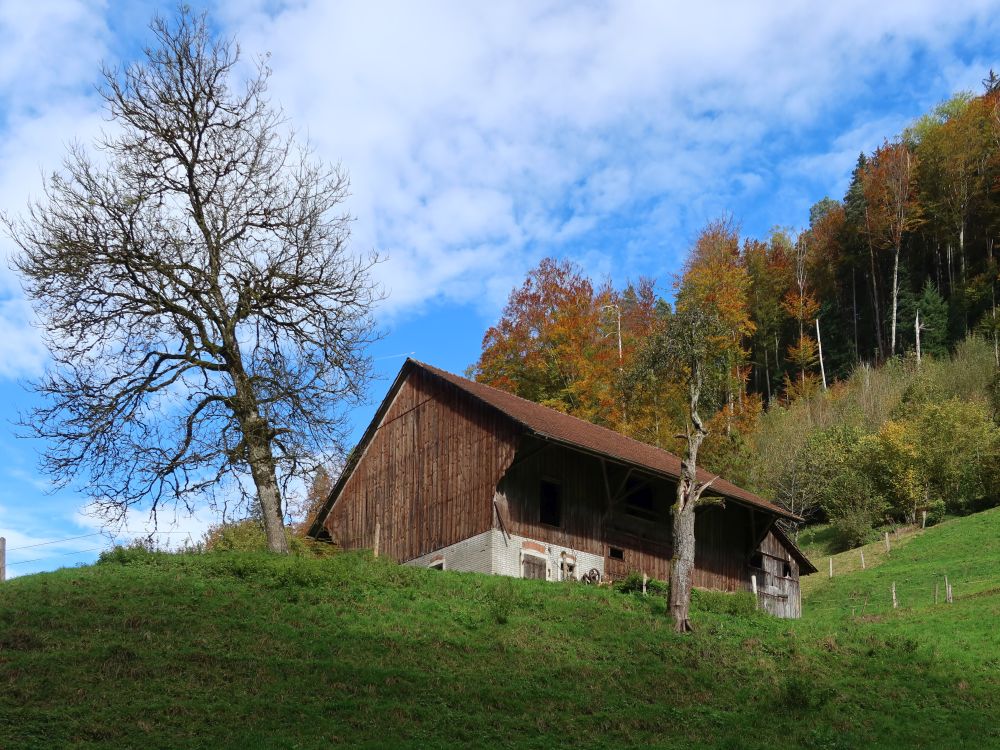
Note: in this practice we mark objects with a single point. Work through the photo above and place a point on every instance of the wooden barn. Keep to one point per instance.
(455, 474)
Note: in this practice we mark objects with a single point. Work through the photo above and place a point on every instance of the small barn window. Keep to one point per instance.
(616, 553)
(639, 498)
(550, 503)
(757, 560)
(533, 566)
(786, 569)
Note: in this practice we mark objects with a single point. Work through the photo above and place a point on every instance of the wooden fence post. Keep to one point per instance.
(753, 586)
(862, 559)
(831, 567)
(895, 604)
(3, 559)
(887, 541)
(935, 592)
(378, 529)
(947, 591)
(923, 523)
(645, 580)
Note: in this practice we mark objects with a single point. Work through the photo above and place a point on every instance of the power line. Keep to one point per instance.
(96, 533)
(49, 557)
(56, 541)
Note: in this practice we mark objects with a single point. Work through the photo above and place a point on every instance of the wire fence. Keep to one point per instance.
(60, 554)
(905, 593)
(113, 538)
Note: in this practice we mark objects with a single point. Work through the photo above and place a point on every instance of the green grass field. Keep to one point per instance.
(251, 651)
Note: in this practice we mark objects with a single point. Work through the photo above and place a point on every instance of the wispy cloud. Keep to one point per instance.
(482, 136)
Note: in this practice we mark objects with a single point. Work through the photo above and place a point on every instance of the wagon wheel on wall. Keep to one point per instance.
(593, 576)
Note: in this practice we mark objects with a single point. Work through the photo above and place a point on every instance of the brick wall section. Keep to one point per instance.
(495, 552)
(474, 554)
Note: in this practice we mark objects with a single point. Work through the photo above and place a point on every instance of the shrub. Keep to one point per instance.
(632, 584)
(935, 512)
(854, 527)
(136, 552)
(248, 536)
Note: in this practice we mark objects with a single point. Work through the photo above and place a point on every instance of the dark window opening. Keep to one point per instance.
(757, 560)
(786, 570)
(616, 554)
(550, 503)
(640, 499)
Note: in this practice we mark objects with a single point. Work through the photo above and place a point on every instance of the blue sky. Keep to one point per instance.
(481, 137)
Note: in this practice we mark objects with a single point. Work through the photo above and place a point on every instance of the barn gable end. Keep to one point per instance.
(425, 472)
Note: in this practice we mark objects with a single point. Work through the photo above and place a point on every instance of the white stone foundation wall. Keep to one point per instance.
(474, 555)
(495, 552)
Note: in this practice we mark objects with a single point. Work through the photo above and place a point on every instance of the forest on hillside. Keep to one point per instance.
(858, 356)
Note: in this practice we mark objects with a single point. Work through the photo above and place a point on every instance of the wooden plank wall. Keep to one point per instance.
(589, 524)
(779, 594)
(428, 476)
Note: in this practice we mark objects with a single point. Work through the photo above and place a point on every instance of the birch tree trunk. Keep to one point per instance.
(895, 300)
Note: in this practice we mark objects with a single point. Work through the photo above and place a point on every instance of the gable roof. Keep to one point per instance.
(549, 424)
(554, 425)
(805, 566)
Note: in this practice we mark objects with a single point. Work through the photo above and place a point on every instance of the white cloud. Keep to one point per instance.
(482, 136)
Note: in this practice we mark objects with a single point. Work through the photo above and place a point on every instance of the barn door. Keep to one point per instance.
(533, 567)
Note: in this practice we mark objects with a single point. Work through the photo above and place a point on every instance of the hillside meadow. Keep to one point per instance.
(248, 650)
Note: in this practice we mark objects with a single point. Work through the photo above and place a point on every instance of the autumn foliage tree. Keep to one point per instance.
(700, 345)
(889, 188)
(563, 343)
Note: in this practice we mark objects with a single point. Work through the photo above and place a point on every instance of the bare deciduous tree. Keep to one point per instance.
(691, 351)
(205, 317)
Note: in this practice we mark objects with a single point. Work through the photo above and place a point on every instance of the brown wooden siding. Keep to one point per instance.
(428, 475)
(590, 523)
(778, 581)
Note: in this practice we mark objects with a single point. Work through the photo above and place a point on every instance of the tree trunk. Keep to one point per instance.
(688, 495)
(877, 311)
(682, 565)
(767, 376)
(261, 460)
(854, 313)
(961, 251)
(895, 300)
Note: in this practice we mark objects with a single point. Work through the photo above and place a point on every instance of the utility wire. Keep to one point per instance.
(56, 541)
(96, 533)
(49, 557)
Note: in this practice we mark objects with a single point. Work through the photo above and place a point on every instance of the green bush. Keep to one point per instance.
(935, 512)
(854, 527)
(136, 552)
(248, 536)
(632, 584)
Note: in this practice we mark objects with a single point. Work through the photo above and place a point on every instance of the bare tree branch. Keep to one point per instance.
(197, 291)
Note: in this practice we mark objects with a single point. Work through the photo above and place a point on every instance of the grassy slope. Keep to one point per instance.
(232, 650)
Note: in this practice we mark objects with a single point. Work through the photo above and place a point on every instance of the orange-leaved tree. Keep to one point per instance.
(701, 345)
(561, 343)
